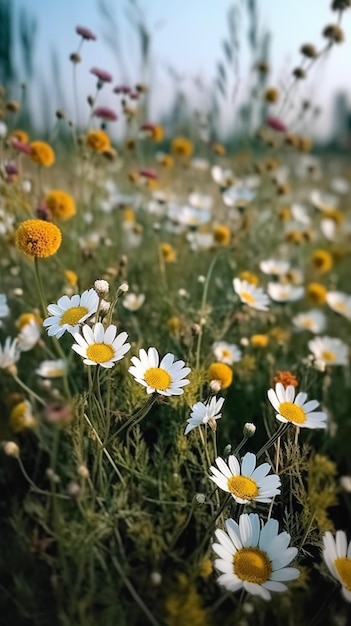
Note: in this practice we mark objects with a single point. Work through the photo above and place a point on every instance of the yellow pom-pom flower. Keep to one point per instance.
(42, 153)
(38, 238)
(61, 204)
(182, 147)
(222, 373)
(98, 140)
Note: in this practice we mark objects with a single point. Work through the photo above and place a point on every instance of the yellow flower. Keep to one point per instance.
(21, 135)
(128, 215)
(21, 417)
(316, 293)
(168, 253)
(219, 149)
(38, 238)
(98, 140)
(279, 334)
(182, 147)
(157, 132)
(322, 260)
(259, 341)
(294, 236)
(284, 213)
(174, 325)
(61, 204)
(166, 160)
(222, 235)
(250, 277)
(221, 372)
(271, 95)
(285, 378)
(71, 278)
(42, 153)
(183, 606)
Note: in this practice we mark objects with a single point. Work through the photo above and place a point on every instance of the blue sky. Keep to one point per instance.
(187, 35)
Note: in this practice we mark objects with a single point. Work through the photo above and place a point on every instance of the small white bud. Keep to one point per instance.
(155, 578)
(227, 450)
(244, 341)
(124, 287)
(215, 386)
(11, 449)
(101, 287)
(249, 429)
(200, 498)
(83, 471)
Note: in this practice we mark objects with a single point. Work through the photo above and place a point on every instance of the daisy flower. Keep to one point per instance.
(68, 313)
(253, 296)
(28, 336)
(51, 369)
(133, 301)
(100, 346)
(340, 303)
(205, 413)
(313, 320)
(275, 267)
(329, 350)
(248, 482)
(337, 556)
(9, 353)
(284, 292)
(254, 558)
(296, 410)
(166, 378)
(4, 309)
(227, 353)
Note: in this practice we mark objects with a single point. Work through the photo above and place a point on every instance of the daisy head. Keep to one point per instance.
(205, 413)
(296, 410)
(100, 346)
(166, 377)
(253, 296)
(51, 369)
(313, 320)
(227, 353)
(245, 481)
(329, 350)
(340, 303)
(286, 292)
(68, 313)
(254, 557)
(9, 354)
(337, 556)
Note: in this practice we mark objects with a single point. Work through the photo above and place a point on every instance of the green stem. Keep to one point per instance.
(203, 303)
(281, 430)
(134, 593)
(28, 390)
(105, 451)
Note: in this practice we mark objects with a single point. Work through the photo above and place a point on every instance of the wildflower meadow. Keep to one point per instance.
(175, 310)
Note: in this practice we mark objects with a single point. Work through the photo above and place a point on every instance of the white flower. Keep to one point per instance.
(68, 313)
(28, 336)
(133, 301)
(238, 195)
(340, 185)
(100, 346)
(296, 410)
(275, 267)
(205, 413)
(340, 303)
(9, 353)
(245, 483)
(253, 296)
(324, 201)
(337, 556)
(227, 353)
(329, 350)
(3, 130)
(223, 177)
(285, 292)
(314, 321)
(51, 369)
(201, 201)
(166, 378)
(299, 214)
(254, 558)
(4, 309)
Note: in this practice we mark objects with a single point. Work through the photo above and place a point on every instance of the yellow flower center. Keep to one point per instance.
(292, 412)
(100, 352)
(343, 567)
(73, 315)
(328, 355)
(340, 307)
(226, 354)
(247, 297)
(157, 378)
(252, 565)
(243, 487)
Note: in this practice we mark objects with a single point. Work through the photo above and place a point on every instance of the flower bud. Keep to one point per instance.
(83, 471)
(249, 429)
(101, 287)
(11, 449)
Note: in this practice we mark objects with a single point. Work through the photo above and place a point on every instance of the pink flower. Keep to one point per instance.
(148, 173)
(276, 124)
(86, 33)
(122, 89)
(102, 75)
(11, 169)
(105, 113)
(134, 95)
(21, 146)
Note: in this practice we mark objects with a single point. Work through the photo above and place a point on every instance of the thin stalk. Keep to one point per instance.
(105, 451)
(281, 430)
(135, 594)
(28, 390)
